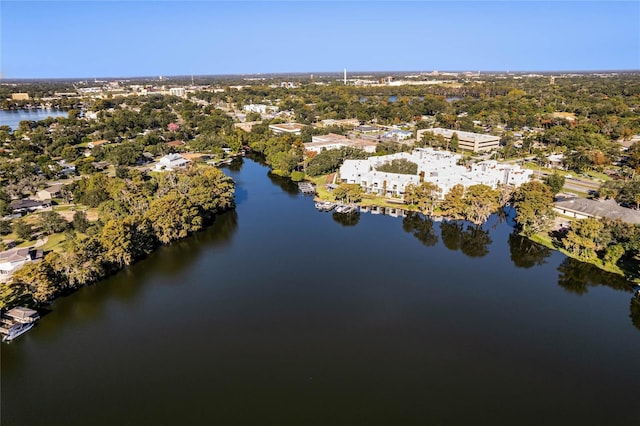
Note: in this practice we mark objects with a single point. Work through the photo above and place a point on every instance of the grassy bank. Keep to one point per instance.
(546, 240)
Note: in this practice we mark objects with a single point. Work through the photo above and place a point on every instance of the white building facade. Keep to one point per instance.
(438, 167)
(171, 162)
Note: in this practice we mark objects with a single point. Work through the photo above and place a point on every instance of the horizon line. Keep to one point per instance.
(300, 73)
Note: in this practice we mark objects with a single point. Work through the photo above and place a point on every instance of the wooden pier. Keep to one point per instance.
(307, 188)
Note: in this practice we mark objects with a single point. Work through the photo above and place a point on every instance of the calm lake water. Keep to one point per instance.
(282, 315)
(13, 117)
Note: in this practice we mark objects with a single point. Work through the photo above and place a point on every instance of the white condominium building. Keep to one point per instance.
(438, 167)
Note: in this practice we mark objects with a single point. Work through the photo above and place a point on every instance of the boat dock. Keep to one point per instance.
(16, 322)
(307, 188)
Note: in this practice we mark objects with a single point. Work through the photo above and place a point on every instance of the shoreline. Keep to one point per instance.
(542, 239)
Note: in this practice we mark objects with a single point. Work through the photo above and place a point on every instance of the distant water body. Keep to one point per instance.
(278, 314)
(12, 118)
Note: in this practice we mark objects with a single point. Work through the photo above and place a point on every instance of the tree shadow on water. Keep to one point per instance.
(526, 253)
(472, 241)
(346, 219)
(420, 227)
(286, 184)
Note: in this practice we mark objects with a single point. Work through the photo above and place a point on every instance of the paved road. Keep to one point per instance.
(574, 184)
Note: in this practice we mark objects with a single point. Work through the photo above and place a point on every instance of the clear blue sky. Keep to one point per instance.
(151, 38)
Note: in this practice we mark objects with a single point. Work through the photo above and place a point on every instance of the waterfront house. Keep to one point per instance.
(582, 208)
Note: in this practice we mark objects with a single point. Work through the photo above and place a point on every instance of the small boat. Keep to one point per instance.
(16, 322)
(15, 330)
(325, 206)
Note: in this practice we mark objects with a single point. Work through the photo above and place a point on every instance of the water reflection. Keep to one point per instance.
(127, 285)
(472, 241)
(347, 219)
(286, 184)
(451, 234)
(635, 311)
(526, 253)
(475, 241)
(576, 277)
(236, 164)
(420, 227)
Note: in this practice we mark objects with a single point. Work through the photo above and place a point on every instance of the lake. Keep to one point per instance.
(279, 314)
(12, 118)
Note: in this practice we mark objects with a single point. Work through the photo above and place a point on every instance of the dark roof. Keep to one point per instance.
(601, 209)
(27, 204)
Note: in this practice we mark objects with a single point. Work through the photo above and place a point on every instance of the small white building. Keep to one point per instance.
(171, 162)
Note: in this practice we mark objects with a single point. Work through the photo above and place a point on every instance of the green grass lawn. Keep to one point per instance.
(367, 199)
(54, 243)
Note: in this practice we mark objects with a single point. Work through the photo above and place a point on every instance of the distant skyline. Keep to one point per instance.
(78, 39)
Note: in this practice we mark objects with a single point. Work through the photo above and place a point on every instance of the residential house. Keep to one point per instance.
(100, 165)
(582, 208)
(14, 259)
(26, 205)
(556, 161)
(171, 162)
(48, 193)
(95, 144)
(65, 168)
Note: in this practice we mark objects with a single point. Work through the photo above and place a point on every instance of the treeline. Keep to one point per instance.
(329, 160)
(474, 203)
(612, 244)
(284, 153)
(136, 214)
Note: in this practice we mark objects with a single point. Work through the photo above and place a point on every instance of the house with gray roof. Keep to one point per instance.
(12, 260)
(582, 208)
